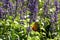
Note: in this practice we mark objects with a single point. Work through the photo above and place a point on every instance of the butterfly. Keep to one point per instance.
(36, 27)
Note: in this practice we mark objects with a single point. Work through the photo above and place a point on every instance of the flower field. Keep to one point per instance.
(29, 19)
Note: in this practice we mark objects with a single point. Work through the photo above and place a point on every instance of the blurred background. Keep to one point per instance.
(29, 20)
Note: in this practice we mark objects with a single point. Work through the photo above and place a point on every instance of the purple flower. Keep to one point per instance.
(7, 4)
(20, 11)
(36, 10)
(56, 3)
(56, 17)
(52, 18)
(1, 12)
(24, 10)
(22, 2)
(10, 4)
(46, 7)
(6, 1)
(21, 15)
(33, 7)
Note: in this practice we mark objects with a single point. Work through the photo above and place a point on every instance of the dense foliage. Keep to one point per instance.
(29, 19)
